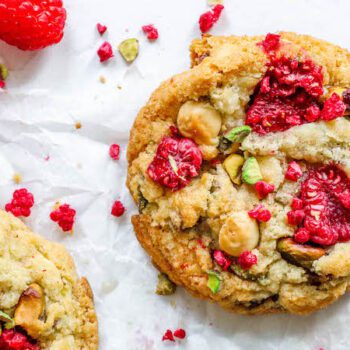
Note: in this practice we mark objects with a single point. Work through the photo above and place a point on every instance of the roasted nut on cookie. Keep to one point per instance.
(200, 122)
(29, 308)
(299, 254)
(238, 234)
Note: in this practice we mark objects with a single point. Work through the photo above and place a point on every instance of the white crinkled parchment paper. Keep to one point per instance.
(49, 91)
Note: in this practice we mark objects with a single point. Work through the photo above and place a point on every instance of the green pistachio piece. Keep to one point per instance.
(9, 321)
(129, 49)
(214, 281)
(4, 73)
(165, 286)
(238, 134)
(251, 173)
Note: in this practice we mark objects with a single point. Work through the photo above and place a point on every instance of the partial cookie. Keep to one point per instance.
(240, 168)
(43, 303)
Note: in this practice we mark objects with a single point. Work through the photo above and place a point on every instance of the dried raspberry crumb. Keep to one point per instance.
(333, 108)
(180, 333)
(200, 242)
(64, 215)
(312, 113)
(295, 217)
(101, 28)
(297, 203)
(221, 259)
(293, 172)
(247, 259)
(10, 339)
(2, 84)
(208, 19)
(105, 52)
(114, 151)
(21, 203)
(168, 335)
(271, 43)
(260, 213)
(302, 235)
(263, 189)
(150, 31)
(174, 131)
(118, 209)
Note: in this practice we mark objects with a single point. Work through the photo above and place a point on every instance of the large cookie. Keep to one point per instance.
(240, 169)
(43, 303)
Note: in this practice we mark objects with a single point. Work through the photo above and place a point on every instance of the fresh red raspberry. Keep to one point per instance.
(101, 28)
(260, 213)
(302, 235)
(11, 339)
(64, 215)
(295, 217)
(293, 172)
(247, 259)
(208, 19)
(105, 51)
(180, 333)
(21, 203)
(221, 259)
(271, 43)
(176, 162)
(32, 24)
(114, 151)
(118, 209)
(150, 31)
(168, 335)
(297, 203)
(333, 108)
(263, 189)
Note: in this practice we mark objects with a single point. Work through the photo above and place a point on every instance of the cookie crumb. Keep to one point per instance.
(165, 286)
(17, 178)
(119, 87)
(102, 79)
(78, 125)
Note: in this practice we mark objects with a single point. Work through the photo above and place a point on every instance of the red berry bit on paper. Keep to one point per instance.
(118, 209)
(221, 259)
(114, 151)
(32, 24)
(64, 215)
(260, 213)
(168, 335)
(208, 19)
(293, 172)
(21, 203)
(180, 333)
(246, 260)
(105, 52)
(263, 189)
(150, 31)
(101, 28)
(176, 162)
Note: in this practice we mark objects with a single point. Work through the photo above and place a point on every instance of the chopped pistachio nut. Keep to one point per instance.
(232, 165)
(3, 72)
(129, 49)
(238, 134)
(9, 321)
(165, 286)
(214, 281)
(251, 173)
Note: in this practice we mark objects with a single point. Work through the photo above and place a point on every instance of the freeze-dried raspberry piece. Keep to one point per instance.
(271, 43)
(293, 172)
(105, 51)
(221, 259)
(2, 84)
(118, 209)
(260, 213)
(21, 203)
(101, 28)
(150, 31)
(297, 203)
(10, 339)
(263, 188)
(180, 333)
(168, 335)
(32, 24)
(64, 215)
(295, 217)
(333, 108)
(208, 19)
(246, 260)
(302, 236)
(114, 151)
(176, 162)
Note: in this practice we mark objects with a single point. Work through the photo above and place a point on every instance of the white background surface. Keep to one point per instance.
(49, 91)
